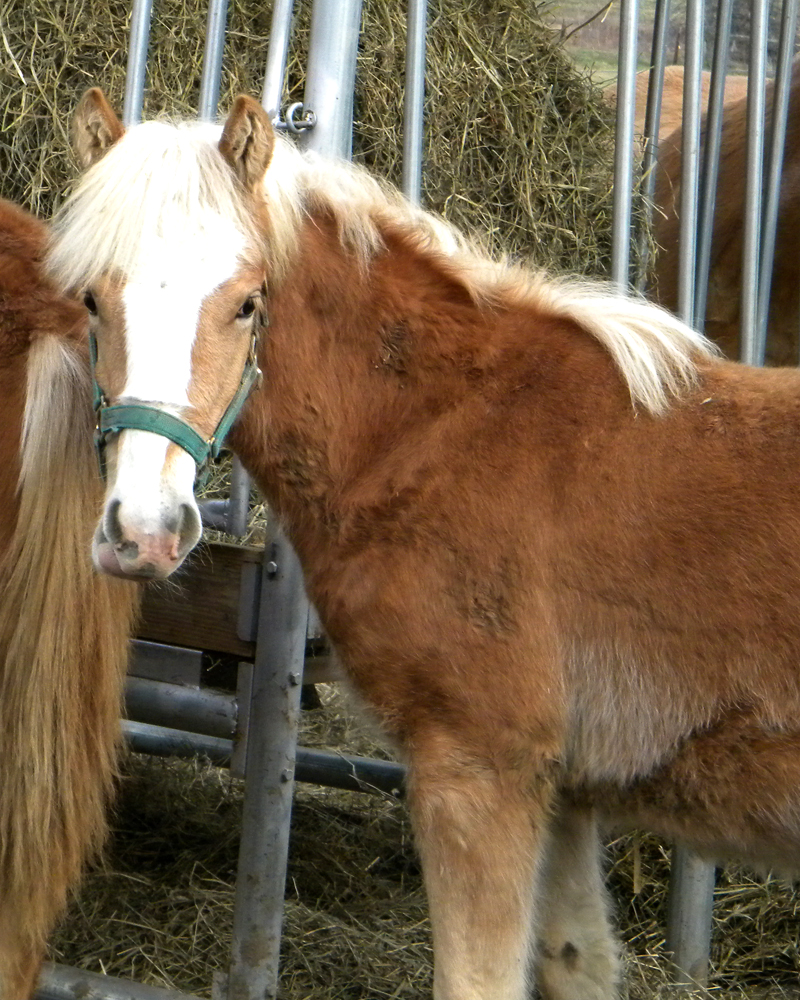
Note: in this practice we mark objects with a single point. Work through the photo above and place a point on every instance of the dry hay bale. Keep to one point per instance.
(519, 144)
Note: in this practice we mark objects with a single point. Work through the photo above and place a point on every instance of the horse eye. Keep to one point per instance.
(89, 302)
(247, 309)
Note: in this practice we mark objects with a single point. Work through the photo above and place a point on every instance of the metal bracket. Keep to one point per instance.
(296, 119)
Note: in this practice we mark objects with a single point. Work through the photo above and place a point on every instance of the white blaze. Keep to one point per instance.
(162, 302)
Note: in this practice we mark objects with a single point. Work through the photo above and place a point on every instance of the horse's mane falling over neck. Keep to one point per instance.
(165, 180)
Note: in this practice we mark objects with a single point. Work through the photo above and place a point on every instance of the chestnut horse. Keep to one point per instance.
(553, 537)
(672, 97)
(63, 628)
(723, 305)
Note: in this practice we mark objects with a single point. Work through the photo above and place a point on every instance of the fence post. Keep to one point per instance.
(280, 31)
(212, 58)
(414, 99)
(137, 62)
(330, 79)
(623, 147)
(274, 710)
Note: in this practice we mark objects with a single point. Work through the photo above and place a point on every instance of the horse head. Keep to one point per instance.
(161, 239)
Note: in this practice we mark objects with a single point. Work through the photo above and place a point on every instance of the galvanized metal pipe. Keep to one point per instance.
(239, 502)
(330, 77)
(163, 741)
(414, 99)
(269, 776)
(711, 153)
(279, 34)
(655, 92)
(317, 767)
(690, 160)
(212, 58)
(652, 124)
(780, 112)
(137, 62)
(752, 338)
(199, 710)
(623, 152)
(691, 899)
(57, 982)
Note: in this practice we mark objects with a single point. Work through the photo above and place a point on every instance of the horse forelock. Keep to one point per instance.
(161, 182)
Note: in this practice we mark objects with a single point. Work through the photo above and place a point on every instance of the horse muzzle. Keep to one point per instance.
(126, 547)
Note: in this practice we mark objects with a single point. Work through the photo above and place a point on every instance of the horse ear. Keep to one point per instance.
(95, 129)
(247, 141)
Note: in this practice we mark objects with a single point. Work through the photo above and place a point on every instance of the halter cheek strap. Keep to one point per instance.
(140, 415)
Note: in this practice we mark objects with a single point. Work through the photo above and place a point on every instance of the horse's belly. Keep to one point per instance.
(622, 722)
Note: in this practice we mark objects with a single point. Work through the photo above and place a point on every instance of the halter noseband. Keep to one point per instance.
(139, 415)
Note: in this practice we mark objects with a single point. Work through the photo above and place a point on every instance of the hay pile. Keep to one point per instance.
(519, 144)
(160, 907)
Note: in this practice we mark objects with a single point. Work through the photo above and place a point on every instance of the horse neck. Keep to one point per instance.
(350, 362)
(368, 366)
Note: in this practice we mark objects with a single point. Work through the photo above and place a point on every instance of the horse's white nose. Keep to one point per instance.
(127, 546)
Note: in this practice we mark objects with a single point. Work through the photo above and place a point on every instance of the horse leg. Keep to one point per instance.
(578, 955)
(478, 829)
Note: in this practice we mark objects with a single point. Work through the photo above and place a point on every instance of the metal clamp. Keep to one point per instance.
(295, 120)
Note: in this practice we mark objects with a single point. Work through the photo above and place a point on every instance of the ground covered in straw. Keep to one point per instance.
(159, 907)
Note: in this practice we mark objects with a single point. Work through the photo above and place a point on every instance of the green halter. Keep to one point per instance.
(138, 415)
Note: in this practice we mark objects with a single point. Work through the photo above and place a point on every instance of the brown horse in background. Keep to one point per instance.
(554, 539)
(63, 629)
(722, 319)
(672, 97)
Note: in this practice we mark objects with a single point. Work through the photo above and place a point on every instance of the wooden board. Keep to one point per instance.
(199, 606)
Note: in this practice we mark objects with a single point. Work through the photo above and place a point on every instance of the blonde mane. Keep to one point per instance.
(171, 178)
(655, 352)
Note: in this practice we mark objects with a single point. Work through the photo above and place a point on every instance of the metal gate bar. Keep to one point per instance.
(623, 150)
(60, 982)
(318, 767)
(137, 61)
(652, 125)
(269, 776)
(754, 339)
(414, 99)
(279, 34)
(212, 58)
(710, 158)
(330, 78)
(691, 880)
(780, 113)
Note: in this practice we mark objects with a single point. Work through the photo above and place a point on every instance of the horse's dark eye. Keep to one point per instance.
(247, 309)
(89, 302)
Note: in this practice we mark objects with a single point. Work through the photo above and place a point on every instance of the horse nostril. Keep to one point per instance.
(189, 527)
(111, 526)
(130, 550)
